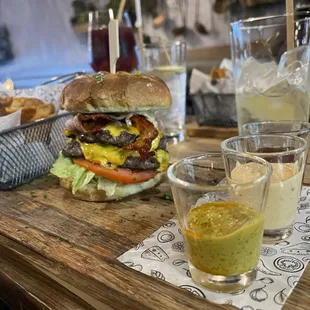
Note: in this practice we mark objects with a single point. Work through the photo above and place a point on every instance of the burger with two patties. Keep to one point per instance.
(114, 146)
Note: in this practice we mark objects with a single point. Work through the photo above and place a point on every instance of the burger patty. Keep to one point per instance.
(73, 149)
(105, 137)
(135, 163)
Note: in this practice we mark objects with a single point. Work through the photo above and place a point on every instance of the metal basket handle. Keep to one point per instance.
(64, 78)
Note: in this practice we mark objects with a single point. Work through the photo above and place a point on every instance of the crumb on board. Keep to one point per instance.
(33, 195)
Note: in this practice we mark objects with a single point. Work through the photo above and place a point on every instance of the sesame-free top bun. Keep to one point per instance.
(120, 92)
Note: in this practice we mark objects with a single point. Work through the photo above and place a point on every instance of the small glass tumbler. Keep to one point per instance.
(168, 62)
(294, 128)
(287, 155)
(222, 234)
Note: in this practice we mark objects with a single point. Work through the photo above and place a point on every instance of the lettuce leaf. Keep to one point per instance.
(64, 167)
(108, 186)
(81, 178)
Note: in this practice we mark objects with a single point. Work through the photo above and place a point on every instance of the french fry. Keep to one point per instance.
(6, 101)
(20, 102)
(27, 114)
(43, 111)
(217, 73)
(2, 110)
(32, 108)
(10, 110)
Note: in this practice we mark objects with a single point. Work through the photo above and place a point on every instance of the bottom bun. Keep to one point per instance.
(90, 192)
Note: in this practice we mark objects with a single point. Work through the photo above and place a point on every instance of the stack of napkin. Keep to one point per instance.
(220, 81)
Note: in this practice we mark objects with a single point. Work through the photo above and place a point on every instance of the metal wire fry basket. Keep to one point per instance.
(28, 151)
(215, 109)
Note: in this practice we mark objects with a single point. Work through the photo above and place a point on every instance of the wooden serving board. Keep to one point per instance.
(79, 242)
(52, 238)
(216, 132)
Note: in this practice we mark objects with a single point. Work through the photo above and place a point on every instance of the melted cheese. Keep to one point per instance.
(115, 131)
(67, 133)
(104, 154)
(113, 156)
(155, 142)
(163, 158)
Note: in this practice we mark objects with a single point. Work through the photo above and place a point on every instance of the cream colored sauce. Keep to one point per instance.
(283, 195)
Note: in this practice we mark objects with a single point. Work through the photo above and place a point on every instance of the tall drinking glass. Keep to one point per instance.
(98, 43)
(271, 81)
(168, 62)
(287, 155)
(222, 235)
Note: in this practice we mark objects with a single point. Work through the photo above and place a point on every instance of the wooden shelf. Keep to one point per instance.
(193, 130)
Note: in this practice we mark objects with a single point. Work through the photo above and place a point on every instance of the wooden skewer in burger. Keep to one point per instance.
(115, 148)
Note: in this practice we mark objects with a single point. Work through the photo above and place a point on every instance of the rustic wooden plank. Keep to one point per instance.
(34, 291)
(57, 270)
(13, 295)
(136, 216)
(79, 241)
(121, 287)
(215, 132)
(64, 226)
(299, 299)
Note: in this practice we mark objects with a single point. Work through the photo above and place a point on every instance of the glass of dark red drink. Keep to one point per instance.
(98, 43)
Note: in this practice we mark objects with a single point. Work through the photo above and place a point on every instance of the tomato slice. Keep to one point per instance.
(118, 175)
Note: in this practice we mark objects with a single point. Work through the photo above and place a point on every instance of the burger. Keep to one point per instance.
(114, 147)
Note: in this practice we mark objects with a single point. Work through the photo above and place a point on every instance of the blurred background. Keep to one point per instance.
(44, 38)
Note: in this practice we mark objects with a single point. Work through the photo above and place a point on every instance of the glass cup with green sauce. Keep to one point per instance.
(222, 236)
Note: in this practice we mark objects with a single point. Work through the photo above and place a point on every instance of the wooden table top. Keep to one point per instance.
(61, 253)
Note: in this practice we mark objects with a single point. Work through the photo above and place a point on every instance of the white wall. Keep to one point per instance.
(41, 35)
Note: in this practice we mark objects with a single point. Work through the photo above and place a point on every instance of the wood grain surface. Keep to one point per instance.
(77, 242)
(214, 132)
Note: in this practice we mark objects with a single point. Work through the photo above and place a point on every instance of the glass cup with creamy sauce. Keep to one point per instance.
(222, 235)
(287, 156)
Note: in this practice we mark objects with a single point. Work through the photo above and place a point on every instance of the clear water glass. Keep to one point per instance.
(168, 62)
(221, 219)
(271, 78)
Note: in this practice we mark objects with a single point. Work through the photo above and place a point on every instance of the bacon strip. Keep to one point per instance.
(147, 134)
(94, 122)
(84, 123)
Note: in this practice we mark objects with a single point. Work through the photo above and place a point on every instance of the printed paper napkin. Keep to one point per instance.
(280, 267)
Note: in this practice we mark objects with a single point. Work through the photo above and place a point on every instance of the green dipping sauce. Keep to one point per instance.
(223, 238)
